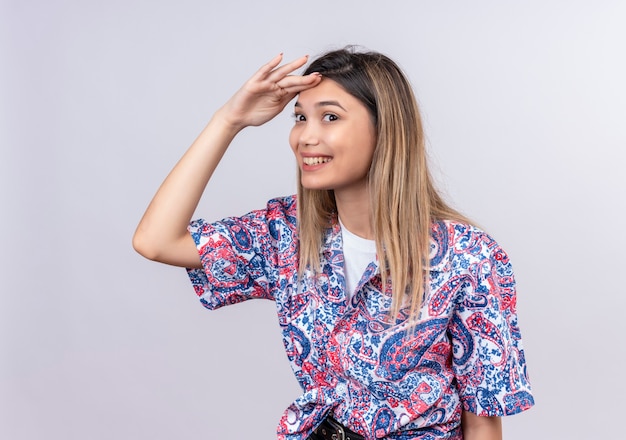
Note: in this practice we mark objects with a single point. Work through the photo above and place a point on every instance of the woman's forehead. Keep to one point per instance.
(327, 92)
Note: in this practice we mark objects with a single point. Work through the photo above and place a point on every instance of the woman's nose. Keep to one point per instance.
(309, 135)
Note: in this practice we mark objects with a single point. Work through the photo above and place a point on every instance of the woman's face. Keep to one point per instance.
(333, 139)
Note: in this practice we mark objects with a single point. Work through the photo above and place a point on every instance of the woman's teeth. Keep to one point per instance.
(315, 160)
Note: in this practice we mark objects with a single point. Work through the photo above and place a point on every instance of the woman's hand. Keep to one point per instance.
(266, 93)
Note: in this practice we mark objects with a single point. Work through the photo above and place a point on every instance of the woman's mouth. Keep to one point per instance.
(316, 160)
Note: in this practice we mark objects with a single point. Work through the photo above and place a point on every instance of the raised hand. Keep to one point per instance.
(162, 232)
(267, 93)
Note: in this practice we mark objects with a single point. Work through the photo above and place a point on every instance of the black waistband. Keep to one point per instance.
(331, 429)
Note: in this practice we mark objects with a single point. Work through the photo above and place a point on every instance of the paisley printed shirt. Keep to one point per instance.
(381, 379)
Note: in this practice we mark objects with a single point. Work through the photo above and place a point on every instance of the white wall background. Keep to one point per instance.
(525, 110)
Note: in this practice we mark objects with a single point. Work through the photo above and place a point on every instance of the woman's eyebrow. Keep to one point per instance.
(324, 104)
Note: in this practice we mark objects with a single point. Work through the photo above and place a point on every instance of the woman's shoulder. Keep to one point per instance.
(459, 230)
(283, 203)
(282, 209)
(455, 242)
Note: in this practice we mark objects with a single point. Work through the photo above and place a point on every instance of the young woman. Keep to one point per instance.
(398, 315)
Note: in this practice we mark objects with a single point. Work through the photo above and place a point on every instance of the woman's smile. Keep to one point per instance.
(316, 160)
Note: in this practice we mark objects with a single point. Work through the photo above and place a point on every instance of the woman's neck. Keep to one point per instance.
(353, 207)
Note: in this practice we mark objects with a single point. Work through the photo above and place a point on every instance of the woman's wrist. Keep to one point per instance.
(227, 122)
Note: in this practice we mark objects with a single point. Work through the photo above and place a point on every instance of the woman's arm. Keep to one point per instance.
(162, 232)
(480, 428)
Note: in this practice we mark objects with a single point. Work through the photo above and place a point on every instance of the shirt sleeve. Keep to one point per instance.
(239, 256)
(488, 359)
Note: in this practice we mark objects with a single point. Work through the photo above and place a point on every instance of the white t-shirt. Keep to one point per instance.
(358, 253)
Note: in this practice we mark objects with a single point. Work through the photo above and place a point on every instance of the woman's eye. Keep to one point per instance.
(329, 117)
(298, 118)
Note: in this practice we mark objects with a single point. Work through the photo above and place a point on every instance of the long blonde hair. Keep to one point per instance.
(404, 201)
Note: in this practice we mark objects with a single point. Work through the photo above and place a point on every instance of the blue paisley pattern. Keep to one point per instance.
(381, 379)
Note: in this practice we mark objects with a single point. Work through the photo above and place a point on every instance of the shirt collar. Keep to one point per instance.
(439, 240)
